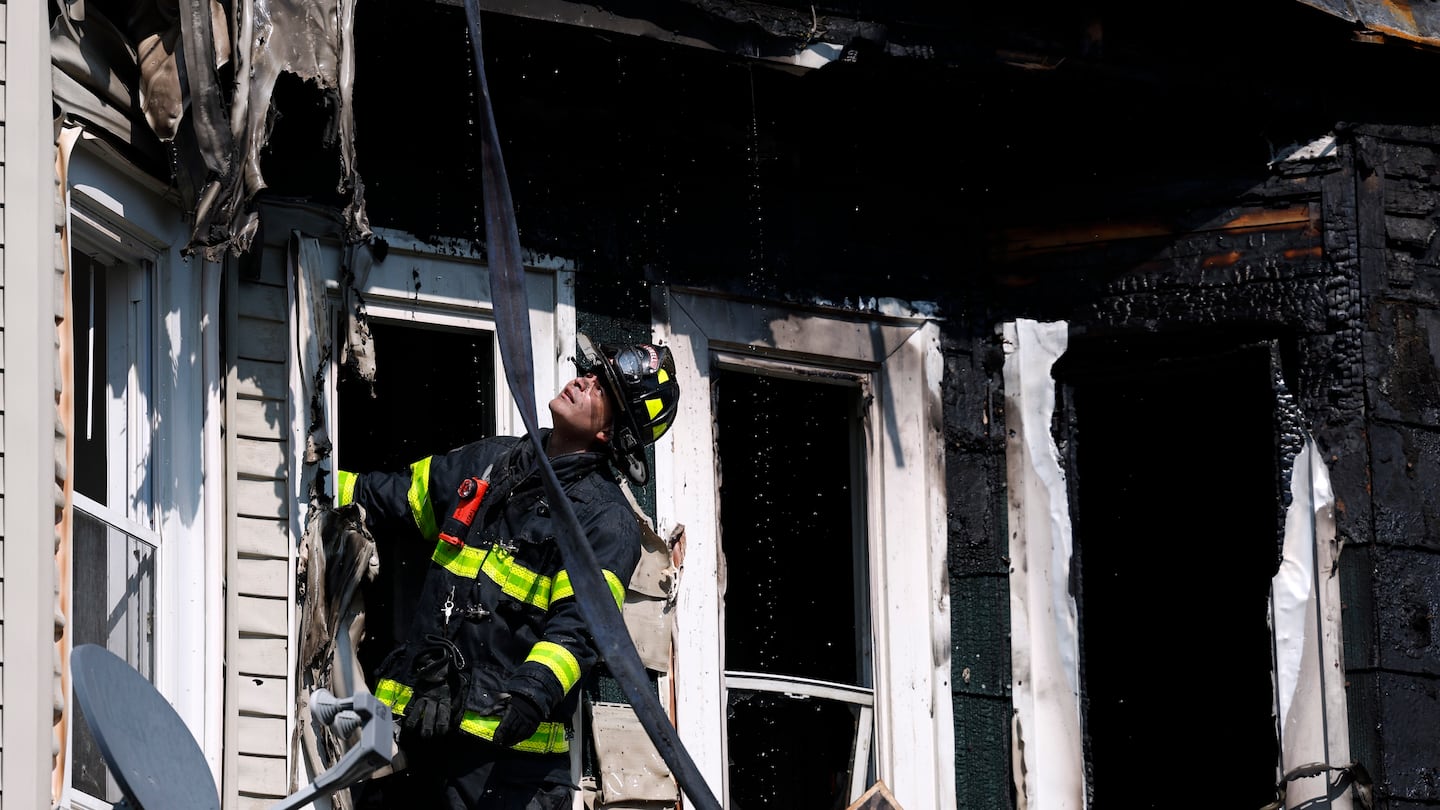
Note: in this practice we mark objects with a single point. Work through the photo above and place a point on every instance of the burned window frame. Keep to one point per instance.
(1311, 717)
(897, 354)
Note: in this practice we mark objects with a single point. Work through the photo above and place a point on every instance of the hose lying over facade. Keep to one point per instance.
(512, 328)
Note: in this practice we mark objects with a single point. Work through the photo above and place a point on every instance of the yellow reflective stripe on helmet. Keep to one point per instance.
(394, 694)
(345, 486)
(559, 661)
(549, 738)
(653, 406)
(659, 430)
(662, 376)
(564, 590)
(499, 566)
(419, 497)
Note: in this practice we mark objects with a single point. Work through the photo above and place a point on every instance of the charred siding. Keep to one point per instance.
(1392, 654)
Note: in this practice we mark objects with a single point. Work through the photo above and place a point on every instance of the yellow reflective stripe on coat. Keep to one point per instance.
(394, 694)
(564, 590)
(419, 497)
(345, 486)
(560, 661)
(549, 738)
(500, 567)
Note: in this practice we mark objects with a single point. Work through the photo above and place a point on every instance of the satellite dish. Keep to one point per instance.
(157, 762)
(146, 745)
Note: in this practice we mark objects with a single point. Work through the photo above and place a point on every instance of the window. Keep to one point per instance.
(146, 550)
(806, 469)
(1172, 498)
(438, 385)
(439, 379)
(1137, 548)
(798, 667)
(115, 537)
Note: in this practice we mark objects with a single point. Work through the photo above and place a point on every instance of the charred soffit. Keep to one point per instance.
(636, 156)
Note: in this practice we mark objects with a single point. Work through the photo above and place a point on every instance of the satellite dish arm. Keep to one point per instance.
(373, 751)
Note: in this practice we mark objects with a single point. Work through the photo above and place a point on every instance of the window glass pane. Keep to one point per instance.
(87, 299)
(796, 750)
(794, 599)
(113, 605)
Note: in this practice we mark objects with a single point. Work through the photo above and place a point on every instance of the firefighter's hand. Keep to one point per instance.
(429, 713)
(519, 720)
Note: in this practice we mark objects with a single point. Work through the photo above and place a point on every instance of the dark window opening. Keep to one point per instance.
(112, 571)
(434, 391)
(89, 376)
(1176, 499)
(796, 585)
(789, 750)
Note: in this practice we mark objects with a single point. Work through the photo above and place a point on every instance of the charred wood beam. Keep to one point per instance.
(754, 30)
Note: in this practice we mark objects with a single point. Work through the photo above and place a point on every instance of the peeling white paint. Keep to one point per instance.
(1047, 756)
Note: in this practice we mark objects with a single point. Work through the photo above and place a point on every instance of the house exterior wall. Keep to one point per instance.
(1338, 252)
(33, 447)
(259, 416)
(1390, 521)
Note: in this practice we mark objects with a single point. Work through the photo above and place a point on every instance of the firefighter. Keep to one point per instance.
(484, 685)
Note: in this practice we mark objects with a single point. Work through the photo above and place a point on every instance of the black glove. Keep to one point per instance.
(438, 700)
(518, 721)
(429, 714)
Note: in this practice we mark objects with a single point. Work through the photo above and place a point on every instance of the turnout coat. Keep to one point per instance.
(497, 593)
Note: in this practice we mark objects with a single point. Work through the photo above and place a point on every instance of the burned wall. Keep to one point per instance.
(1153, 187)
(1393, 656)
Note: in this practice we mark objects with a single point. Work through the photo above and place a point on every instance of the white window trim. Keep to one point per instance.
(110, 209)
(899, 354)
(443, 284)
(1304, 606)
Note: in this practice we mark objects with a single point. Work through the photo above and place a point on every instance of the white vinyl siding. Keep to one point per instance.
(258, 412)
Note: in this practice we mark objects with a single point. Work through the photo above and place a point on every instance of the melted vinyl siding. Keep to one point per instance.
(259, 412)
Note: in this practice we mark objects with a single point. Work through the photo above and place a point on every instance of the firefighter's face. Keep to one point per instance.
(582, 411)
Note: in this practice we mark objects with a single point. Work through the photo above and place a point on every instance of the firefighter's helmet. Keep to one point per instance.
(640, 379)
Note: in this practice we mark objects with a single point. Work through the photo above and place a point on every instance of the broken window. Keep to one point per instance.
(797, 630)
(1176, 498)
(115, 537)
(434, 390)
(1177, 485)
